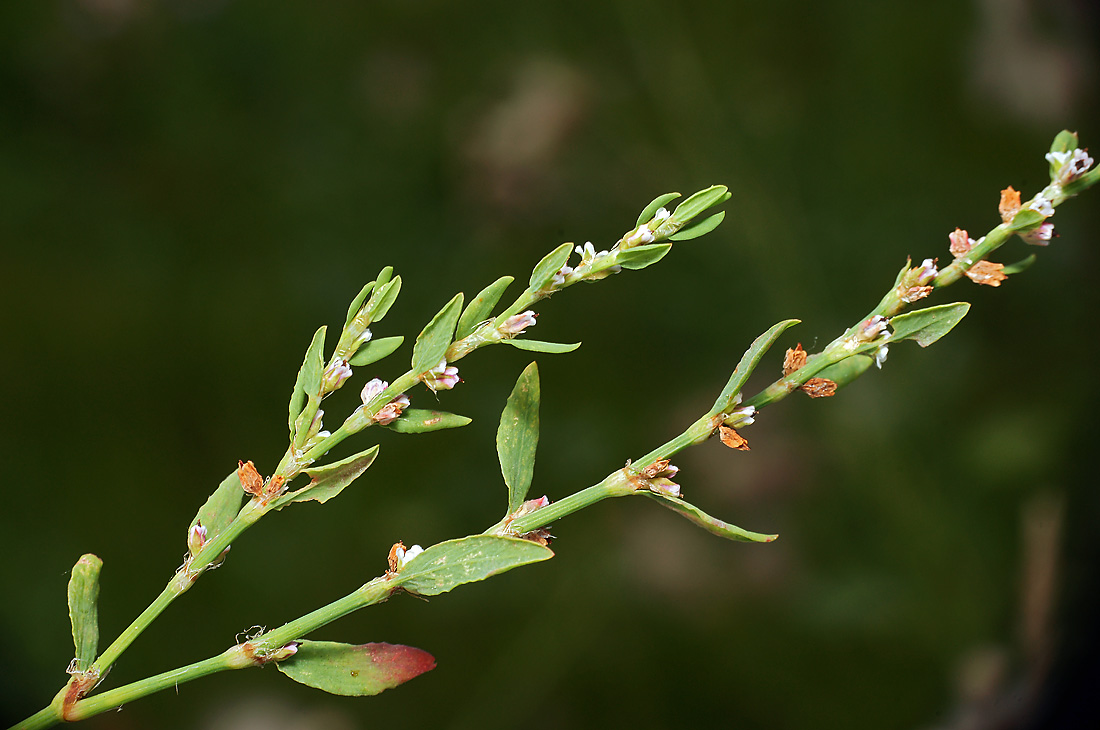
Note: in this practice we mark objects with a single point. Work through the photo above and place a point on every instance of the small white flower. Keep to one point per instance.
(404, 557)
(517, 323)
(1070, 165)
(559, 278)
(641, 236)
(873, 328)
(372, 390)
(927, 272)
(880, 355)
(335, 375)
(1040, 236)
(662, 214)
(1042, 205)
(742, 417)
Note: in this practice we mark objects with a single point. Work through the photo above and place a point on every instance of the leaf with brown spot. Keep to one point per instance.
(986, 272)
(794, 359)
(355, 671)
(730, 437)
(819, 388)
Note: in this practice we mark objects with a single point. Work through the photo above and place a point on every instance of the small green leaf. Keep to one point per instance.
(309, 377)
(927, 325)
(748, 363)
(375, 350)
(708, 523)
(355, 671)
(357, 303)
(383, 298)
(551, 264)
(701, 228)
(518, 436)
(329, 480)
(651, 210)
(481, 306)
(450, 564)
(847, 369)
(1021, 265)
(433, 341)
(1025, 220)
(83, 611)
(1064, 141)
(221, 507)
(642, 256)
(539, 346)
(384, 276)
(698, 203)
(415, 420)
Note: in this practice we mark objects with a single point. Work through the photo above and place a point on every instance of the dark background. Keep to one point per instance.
(190, 188)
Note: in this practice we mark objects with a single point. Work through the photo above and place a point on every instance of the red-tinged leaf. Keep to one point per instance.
(355, 671)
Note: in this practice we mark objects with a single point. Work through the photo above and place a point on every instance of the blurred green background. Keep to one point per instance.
(190, 188)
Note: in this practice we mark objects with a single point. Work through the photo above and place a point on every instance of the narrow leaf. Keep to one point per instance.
(450, 564)
(701, 228)
(309, 377)
(846, 370)
(357, 303)
(435, 338)
(708, 523)
(384, 276)
(518, 436)
(551, 264)
(1021, 265)
(927, 325)
(482, 306)
(355, 671)
(383, 298)
(539, 346)
(221, 507)
(83, 611)
(375, 350)
(748, 363)
(329, 480)
(415, 420)
(698, 203)
(642, 256)
(651, 210)
(1064, 141)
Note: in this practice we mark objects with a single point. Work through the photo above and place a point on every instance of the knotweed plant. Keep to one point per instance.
(521, 536)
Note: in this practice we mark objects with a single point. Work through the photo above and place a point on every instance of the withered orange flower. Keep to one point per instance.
(1010, 204)
(655, 468)
(394, 558)
(960, 242)
(819, 388)
(730, 437)
(794, 359)
(251, 481)
(274, 486)
(987, 272)
(915, 293)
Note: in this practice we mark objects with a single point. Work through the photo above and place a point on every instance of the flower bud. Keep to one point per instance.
(872, 328)
(196, 538)
(441, 377)
(372, 390)
(1040, 236)
(334, 376)
(517, 323)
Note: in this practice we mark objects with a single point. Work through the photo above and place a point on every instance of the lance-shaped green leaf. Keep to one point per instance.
(375, 350)
(383, 298)
(642, 256)
(651, 210)
(701, 228)
(355, 671)
(83, 611)
(329, 480)
(708, 523)
(481, 306)
(1064, 141)
(847, 369)
(433, 341)
(416, 420)
(1021, 265)
(539, 346)
(748, 363)
(309, 378)
(450, 564)
(698, 203)
(551, 264)
(518, 436)
(357, 303)
(221, 507)
(927, 325)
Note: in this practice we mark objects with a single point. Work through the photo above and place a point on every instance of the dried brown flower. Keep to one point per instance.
(794, 359)
(730, 437)
(960, 242)
(819, 388)
(987, 272)
(1010, 204)
(251, 481)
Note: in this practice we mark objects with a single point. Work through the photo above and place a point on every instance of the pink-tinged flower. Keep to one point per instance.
(441, 377)
(1040, 236)
(392, 410)
(517, 323)
(1042, 205)
(961, 242)
(873, 328)
(372, 390)
(1069, 165)
(335, 375)
(196, 538)
(559, 278)
(926, 272)
(880, 355)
